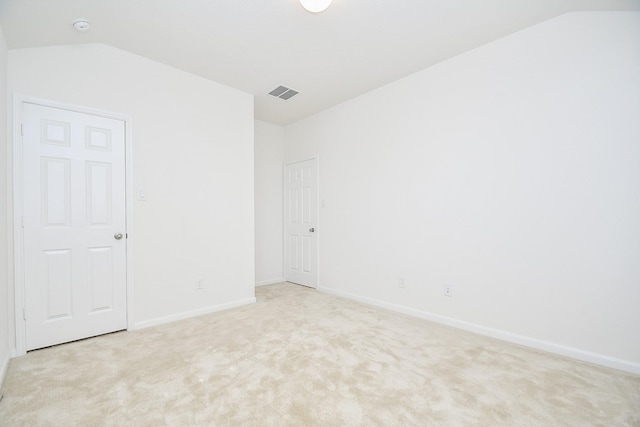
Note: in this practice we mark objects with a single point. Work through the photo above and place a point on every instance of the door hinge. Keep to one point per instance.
(24, 314)
(22, 129)
(22, 220)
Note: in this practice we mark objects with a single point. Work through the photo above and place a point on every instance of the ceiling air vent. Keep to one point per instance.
(283, 92)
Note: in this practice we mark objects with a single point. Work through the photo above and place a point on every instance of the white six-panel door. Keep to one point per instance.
(301, 223)
(73, 216)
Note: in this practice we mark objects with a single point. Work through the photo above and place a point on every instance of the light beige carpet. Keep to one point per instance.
(302, 358)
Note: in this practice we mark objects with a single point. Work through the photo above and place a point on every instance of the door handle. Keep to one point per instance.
(117, 236)
(312, 229)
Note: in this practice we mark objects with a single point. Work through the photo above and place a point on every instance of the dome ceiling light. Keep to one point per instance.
(316, 6)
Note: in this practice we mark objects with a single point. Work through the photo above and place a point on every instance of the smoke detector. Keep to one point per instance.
(81, 25)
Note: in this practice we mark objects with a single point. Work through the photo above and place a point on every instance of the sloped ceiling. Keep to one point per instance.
(256, 45)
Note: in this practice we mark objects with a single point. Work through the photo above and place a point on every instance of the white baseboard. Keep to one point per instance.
(270, 281)
(193, 313)
(575, 353)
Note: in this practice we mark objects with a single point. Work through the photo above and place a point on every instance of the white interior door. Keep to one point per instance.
(301, 223)
(74, 225)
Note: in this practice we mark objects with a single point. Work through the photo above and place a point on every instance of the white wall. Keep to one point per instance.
(192, 152)
(510, 172)
(269, 153)
(4, 263)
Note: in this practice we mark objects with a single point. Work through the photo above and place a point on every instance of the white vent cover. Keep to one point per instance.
(283, 92)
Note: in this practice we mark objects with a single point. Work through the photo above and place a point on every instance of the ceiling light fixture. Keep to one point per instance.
(316, 6)
(81, 25)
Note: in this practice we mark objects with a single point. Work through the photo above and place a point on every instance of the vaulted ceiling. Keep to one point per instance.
(257, 45)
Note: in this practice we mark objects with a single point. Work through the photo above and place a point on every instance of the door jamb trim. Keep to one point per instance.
(18, 289)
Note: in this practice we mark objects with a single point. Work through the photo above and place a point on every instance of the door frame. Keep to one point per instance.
(315, 157)
(18, 198)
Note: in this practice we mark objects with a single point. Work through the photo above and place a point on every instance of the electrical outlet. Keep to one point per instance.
(448, 290)
(199, 284)
(402, 282)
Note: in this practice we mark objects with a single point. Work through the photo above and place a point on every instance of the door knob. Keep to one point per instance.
(117, 236)
(312, 229)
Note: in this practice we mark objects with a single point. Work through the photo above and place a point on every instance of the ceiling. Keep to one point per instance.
(255, 45)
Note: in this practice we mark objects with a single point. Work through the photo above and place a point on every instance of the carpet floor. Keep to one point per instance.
(299, 357)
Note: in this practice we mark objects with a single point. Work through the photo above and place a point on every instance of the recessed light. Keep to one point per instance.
(81, 25)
